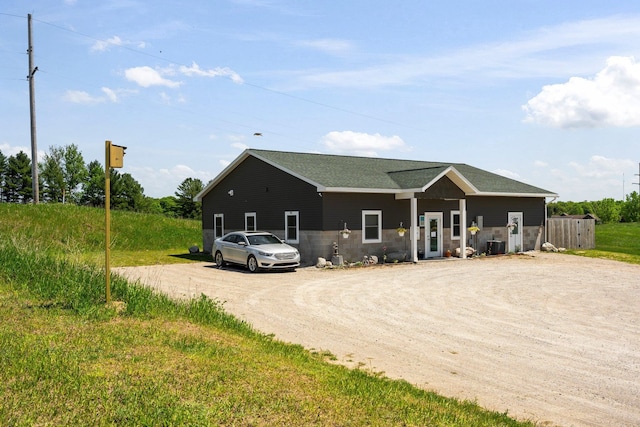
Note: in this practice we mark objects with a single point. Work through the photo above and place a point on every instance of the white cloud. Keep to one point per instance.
(11, 150)
(195, 70)
(533, 54)
(171, 100)
(611, 98)
(146, 76)
(601, 167)
(102, 45)
(82, 97)
(111, 94)
(330, 46)
(362, 144)
(540, 164)
(594, 179)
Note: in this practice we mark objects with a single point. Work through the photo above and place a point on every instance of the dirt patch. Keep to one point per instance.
(547, 337)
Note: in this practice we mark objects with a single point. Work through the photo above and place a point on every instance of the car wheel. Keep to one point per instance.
(252, 264)
(219, 260)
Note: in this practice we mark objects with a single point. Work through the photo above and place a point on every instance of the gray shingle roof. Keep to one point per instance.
(345, 172)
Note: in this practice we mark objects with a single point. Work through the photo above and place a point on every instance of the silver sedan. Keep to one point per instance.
(256, 250)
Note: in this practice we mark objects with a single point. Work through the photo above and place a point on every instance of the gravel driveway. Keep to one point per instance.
(547, 337)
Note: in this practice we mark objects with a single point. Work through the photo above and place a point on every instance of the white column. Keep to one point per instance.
(463, 228)
(414, 230)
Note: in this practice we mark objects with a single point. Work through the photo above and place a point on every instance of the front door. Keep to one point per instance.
(514, 227)
(433, 234)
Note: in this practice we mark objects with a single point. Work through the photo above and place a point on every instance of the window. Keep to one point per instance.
(291, 227)
(371, 226)
(250, 221)
(455, 225)
(218, 225)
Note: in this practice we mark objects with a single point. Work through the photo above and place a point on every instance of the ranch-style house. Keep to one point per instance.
(359, 206)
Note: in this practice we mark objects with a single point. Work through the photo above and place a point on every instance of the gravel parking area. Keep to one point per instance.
(548, 337)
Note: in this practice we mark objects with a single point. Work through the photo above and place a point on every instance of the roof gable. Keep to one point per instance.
(372, 174)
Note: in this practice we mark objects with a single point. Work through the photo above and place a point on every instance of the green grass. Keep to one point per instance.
(68, 359)
(78, 232)
(616, 241)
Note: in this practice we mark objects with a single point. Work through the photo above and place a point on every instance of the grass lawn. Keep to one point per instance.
(616, 241)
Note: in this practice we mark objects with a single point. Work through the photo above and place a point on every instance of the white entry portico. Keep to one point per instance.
(433, 220)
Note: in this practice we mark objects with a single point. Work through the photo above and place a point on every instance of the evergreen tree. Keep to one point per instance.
(3, 170)
(186, 206)
(126, 192)
(18, 179)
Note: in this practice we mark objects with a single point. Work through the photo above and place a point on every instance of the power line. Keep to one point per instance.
(252, 85)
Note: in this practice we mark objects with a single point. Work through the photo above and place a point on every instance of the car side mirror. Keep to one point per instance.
(242, 243)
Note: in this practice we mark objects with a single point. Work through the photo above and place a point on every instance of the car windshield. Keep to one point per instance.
(263, 239)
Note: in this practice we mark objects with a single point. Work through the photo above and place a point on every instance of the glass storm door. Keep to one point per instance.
(514, 228)
(433, 234)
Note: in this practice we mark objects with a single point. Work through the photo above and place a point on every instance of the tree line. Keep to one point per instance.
(64, 177)
(606, 210)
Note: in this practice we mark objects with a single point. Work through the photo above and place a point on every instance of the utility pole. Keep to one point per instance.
(638, 184)
(32, 110)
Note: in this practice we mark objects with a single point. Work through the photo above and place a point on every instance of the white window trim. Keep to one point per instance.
(379, 215)
(286, 226)
(215, 217)
(454, 237)
(248, 215)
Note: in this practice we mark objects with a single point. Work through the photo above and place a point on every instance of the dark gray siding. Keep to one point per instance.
(346, 207)
(261, 188)
(494, 210)
(443, 189)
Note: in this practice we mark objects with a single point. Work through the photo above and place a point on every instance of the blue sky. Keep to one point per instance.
(546, 92)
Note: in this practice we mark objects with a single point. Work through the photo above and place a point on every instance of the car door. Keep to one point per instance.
(237, 249)
(228, 248)
(241, 249)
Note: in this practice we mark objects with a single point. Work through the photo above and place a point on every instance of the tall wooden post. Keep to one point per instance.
(107, 219)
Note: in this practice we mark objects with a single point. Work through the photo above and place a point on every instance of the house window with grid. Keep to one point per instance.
(250, 221)
(291, 227)
(455, 225)
(371, 226)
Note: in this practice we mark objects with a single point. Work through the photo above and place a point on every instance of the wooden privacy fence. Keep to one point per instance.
(571, 233)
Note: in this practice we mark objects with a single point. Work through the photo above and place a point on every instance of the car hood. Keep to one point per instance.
(274, 248)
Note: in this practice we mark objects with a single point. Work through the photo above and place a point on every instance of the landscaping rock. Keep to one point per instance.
(194, 249)
(470, 251)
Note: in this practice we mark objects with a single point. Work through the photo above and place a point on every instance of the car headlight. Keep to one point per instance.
(264, 253)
